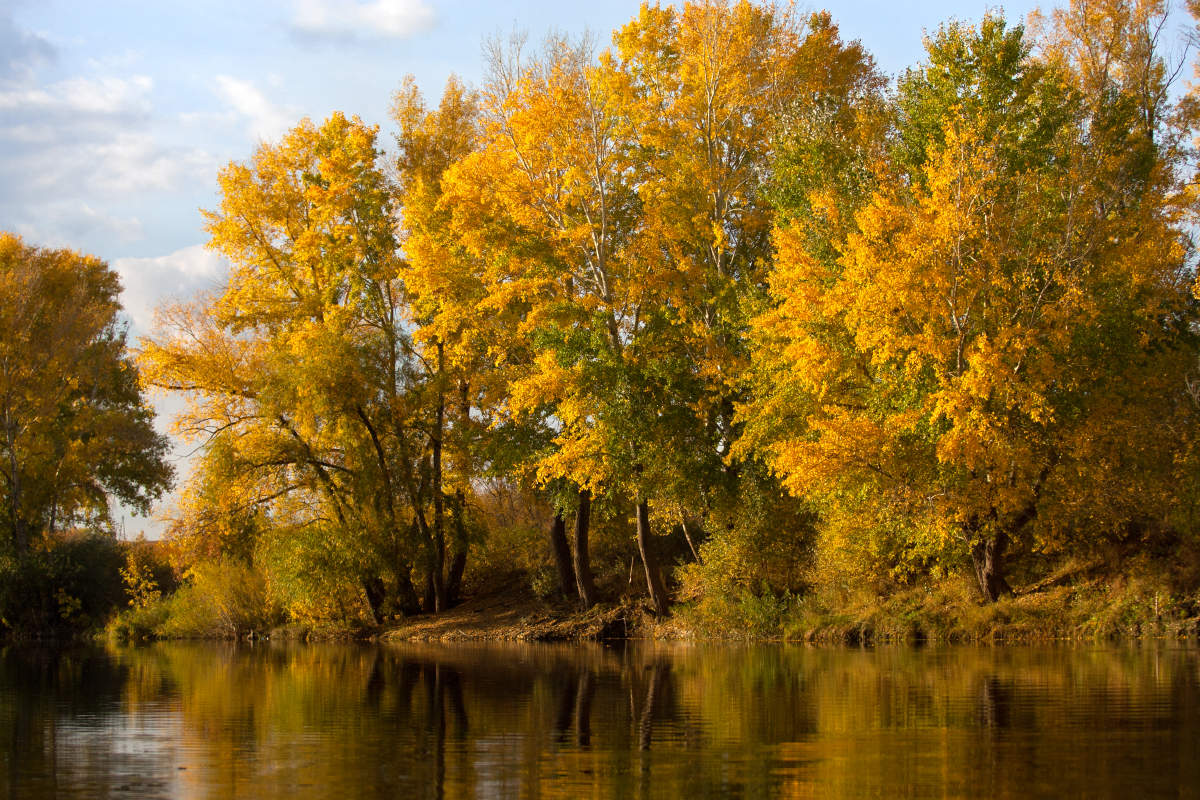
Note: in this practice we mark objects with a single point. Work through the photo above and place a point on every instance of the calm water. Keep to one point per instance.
(298, 722)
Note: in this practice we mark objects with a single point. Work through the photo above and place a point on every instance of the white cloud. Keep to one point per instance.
(390, 19)
(267, 121)
(73, 151)
(176, 276)
(107, 96)
(66, 223)
(127, 228)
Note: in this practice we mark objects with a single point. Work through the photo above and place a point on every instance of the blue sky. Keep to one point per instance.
(116, 116)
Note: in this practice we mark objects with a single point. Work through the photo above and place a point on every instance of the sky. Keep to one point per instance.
(115, 116)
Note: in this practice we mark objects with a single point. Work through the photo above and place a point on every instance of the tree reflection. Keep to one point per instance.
(424, 721)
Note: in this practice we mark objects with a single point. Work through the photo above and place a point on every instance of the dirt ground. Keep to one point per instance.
(511, 613)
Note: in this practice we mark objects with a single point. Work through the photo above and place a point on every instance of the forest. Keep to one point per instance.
(716, 323)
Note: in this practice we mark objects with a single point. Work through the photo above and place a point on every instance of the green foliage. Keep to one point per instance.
(741, 614)
(140, 623)
(757, 541)
(220, 599)
(315, 575)
(64, 587)
(74, 427)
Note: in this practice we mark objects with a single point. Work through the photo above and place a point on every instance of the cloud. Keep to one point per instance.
(179, 275)
(267, 120)
(377, 19)
(21, 52)
(106, 96)
(73, 151)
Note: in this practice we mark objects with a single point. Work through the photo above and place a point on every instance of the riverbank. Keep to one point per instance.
(1080, 604)
(1070, 606)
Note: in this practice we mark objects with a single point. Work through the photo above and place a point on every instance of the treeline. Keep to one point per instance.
(720, 301)
(723, 289)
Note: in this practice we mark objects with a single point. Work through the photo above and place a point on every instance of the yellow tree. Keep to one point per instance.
(988, 357)
(299, 370)
(443, 288)
(546, 206)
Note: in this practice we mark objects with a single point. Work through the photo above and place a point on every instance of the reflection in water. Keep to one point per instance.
(425, 721)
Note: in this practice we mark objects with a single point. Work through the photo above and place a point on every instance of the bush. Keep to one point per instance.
(139, 623)
(64, 587)
(222, 599)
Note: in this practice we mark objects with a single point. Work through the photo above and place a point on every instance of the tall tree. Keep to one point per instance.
(704, 88)
(443, 287)
(74, 428)
(300, 370)
(546, 205)
(1000, 331)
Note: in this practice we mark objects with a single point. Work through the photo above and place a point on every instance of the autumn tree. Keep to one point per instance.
(626, 227)
(299, 371)
(711, 89)
(984, 356)
(546, 205)
(700, 88)
(443, 287)
(77, 432)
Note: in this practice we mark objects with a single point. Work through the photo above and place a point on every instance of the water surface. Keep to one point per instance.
(423, 721)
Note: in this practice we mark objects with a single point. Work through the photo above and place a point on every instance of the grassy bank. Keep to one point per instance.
(1083, 609)
(948, 611)
(1080, 602)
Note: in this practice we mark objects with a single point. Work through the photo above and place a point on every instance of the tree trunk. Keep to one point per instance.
(988, 559)
(20, 536)
(376, 595)
(583, 567)
(458, 566)
(654, 583)
(406, 593)
(462, 548)
(20, 530)
(562, 555)
(688, 537)
(430, 593)
(439, 502)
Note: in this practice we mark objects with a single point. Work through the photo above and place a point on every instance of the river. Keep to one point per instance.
(559, 721)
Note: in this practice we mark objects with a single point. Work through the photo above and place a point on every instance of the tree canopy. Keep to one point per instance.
(77, 432)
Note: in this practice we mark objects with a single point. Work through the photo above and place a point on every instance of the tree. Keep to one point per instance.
(626, 228)
(300, 372)
(709, 90)
(987, 356)
(443, 287)
(545, 204)
(76, 430)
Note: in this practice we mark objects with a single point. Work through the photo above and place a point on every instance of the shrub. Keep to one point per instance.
(221, 599)
(64, 587)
